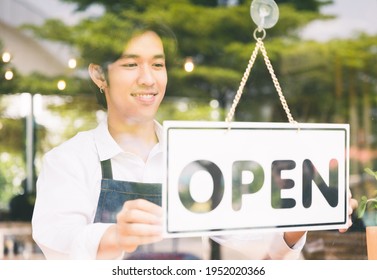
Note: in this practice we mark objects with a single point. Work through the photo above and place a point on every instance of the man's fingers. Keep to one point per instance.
(136, 229)
(138, 216)
(140, 211)
(143, 205)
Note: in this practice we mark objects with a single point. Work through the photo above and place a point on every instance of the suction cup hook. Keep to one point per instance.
(265, 13)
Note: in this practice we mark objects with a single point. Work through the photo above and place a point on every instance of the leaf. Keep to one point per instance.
(371, 172)
(362, 206)
(364, 201)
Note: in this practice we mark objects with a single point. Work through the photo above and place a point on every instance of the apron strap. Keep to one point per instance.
(107, 172)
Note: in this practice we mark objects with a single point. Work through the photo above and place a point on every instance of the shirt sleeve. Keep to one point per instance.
(65, 206)
(262, 245)
(281, 251)
(83, 246)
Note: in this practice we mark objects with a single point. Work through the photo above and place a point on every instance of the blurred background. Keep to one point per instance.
(324, 54)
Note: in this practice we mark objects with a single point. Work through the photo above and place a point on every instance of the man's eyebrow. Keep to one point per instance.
(137, 56)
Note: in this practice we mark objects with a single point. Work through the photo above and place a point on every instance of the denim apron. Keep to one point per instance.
(114, 193)
(112, 197)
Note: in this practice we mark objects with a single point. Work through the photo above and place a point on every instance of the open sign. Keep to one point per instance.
(254, 176)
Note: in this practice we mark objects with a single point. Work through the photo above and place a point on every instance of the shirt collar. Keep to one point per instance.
(159, 130)
(107, 147)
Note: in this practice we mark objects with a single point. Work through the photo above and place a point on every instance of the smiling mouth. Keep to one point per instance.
(144, 96)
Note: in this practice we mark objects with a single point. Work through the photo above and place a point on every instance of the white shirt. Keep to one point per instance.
(68, 189)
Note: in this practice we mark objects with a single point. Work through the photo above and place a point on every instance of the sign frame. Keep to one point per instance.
(245, 127)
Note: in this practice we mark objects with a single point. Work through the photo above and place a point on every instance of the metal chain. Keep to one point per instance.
(242, 84)
(276, 82)
(259, 45)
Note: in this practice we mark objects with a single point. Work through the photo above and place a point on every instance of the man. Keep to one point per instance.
(99, 193)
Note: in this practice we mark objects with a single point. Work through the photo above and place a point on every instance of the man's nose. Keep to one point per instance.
(146, 76)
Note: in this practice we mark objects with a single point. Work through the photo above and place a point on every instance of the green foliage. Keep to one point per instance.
(115, 6)
(218, 37)
(311, 5)
(203, 29)
(139, 5)
(38, 83)
(371, 172)
(368, 202)
(220, 40)
(14, 141)
(364, 203)
(10, 185)
(7, 86)
(198, 83)
(53, 29)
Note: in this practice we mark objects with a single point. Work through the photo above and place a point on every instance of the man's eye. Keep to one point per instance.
(159, 65)
(129, 65)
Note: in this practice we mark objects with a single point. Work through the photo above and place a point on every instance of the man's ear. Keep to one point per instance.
(97, 75)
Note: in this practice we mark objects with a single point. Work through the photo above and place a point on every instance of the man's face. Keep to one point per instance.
(137, 80)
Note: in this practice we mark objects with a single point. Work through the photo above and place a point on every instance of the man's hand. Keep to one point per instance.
(352, 205)
(291, 238)
(139, 222)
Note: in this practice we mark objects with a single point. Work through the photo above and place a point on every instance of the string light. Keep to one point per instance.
(189, 65)
(61, 85)
(6, 57)
(8, 75)
(72, 63)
